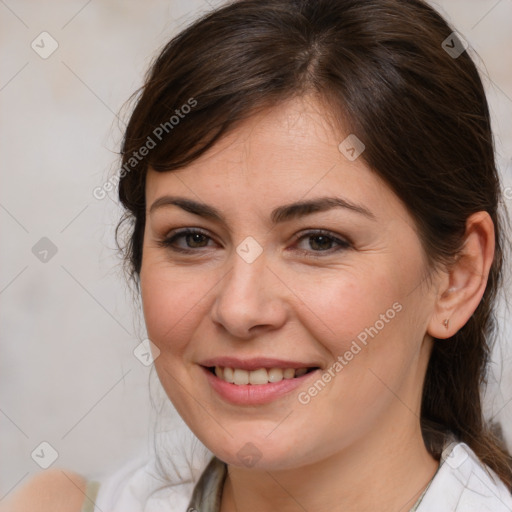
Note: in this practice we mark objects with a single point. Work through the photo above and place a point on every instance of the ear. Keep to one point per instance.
(464, 283)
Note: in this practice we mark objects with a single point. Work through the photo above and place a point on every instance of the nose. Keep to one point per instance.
(250, 299)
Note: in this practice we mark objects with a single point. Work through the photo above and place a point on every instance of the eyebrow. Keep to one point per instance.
(280, 214)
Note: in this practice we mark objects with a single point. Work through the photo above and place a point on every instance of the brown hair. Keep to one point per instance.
(380, 67)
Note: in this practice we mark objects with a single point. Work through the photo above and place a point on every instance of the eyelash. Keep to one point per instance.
(344, 244)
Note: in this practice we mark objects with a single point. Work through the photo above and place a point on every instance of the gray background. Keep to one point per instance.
(69, 324)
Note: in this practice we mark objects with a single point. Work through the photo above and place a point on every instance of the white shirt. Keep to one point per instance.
(461, 484)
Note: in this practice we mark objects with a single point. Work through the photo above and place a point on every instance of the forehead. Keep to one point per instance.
(283, 154)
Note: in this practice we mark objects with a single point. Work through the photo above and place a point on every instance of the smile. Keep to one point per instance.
(259, 386)
(261, 376)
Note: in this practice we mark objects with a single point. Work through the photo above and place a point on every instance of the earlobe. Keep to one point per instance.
(465, 281)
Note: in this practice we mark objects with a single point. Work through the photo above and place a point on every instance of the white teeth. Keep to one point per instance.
(228, 374)
(276, 374)
(289, 373)
(257, 377)
(240, 377)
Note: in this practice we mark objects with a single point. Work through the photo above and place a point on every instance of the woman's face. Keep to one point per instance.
(268, 288)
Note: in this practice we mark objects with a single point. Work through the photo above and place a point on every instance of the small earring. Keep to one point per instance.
(446, 322)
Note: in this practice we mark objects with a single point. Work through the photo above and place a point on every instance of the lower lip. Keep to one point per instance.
(254, 394)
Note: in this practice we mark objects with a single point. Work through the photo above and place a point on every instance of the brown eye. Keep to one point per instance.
(322, 241)
(194, 239)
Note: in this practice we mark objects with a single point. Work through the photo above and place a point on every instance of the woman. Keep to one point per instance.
(315, 232)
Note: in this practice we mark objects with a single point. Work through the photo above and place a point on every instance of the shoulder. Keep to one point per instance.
(52, 490)
(463, 483)
(140, 485)
(148, 482)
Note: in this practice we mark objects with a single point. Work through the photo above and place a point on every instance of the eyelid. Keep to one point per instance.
(322, 232)
(343, 243)
(168, 239)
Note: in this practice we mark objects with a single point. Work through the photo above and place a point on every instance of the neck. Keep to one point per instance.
(381, 472)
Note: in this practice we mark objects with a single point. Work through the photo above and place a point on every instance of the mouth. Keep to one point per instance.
(258, 377)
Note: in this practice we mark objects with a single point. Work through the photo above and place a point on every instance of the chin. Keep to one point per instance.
(256, 452)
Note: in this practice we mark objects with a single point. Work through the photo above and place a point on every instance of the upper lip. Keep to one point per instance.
(254, 363)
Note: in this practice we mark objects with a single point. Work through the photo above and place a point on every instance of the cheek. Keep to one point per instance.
(339, 306)
(369, 324)
(171, 300)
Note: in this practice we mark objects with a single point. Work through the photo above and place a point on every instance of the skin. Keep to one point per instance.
(363, 427)
(51, 490)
